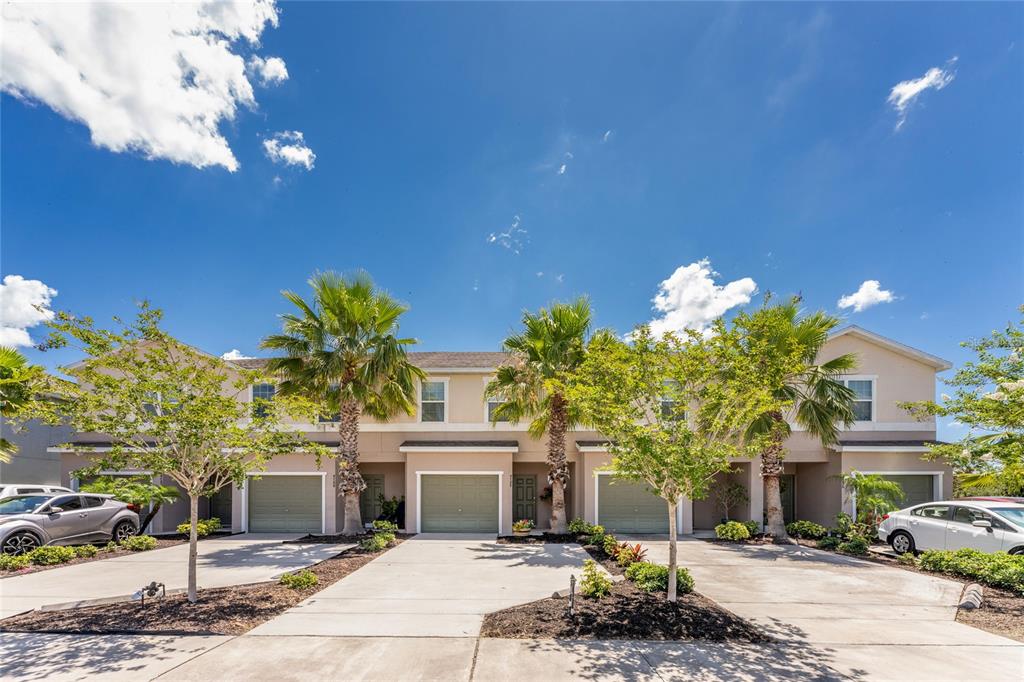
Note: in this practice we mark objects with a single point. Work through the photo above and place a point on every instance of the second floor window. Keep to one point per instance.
(261, 393)
(432, 400)
(669, 406)
(492, 405)
(864, 397)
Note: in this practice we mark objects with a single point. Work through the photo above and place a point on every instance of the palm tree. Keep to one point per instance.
(551, 345)
(341, 351)
(19, 382)
(787, 343)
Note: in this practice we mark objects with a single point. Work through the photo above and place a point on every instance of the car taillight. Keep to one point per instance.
(885, 516)
(135, 508)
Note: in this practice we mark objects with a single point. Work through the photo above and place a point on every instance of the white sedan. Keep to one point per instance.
(988, 526)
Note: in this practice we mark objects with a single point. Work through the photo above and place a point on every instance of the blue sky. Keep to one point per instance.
(763, 138)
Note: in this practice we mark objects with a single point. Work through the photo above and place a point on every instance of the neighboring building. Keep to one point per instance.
(457, 472)
(33, 462)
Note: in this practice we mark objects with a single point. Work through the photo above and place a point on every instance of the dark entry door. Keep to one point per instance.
(787, 486)
(369, 499)
(524, 498)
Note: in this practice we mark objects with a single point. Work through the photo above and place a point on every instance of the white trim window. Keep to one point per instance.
(434, 400)
(262, 393)
(864, 397)
(491, 403)
(668, 405)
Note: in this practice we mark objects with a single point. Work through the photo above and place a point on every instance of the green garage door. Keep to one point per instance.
(917, 488)
(285, 504)
(626, 507)
(459, 503)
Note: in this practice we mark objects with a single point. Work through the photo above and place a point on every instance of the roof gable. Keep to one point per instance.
(895, 346)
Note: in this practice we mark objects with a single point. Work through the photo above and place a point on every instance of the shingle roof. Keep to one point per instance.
(424, 359)
(460, 444)
(591, 443)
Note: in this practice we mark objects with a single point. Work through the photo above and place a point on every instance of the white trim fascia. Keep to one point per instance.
(927, 358)
(880, 426)
(456, 448)
(592, 448)
(323, 494)
(414, 427)
(881, 448)
(428, 472)
(459, 370)
(419, 399)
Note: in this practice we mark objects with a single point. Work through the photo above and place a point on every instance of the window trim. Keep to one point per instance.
(252, 394)
(419, 398)
(487, 415)
(873, 378)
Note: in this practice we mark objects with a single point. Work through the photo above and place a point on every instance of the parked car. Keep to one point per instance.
(985, 525)
(998, 498)
(11, 489)
(30, 521)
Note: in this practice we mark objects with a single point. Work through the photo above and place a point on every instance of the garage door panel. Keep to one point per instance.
(628, 507)
(285, 504)
(917, 488)
(453, 503)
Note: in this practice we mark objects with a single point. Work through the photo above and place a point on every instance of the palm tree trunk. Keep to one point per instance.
(558, 470)
(771, 470)
(346, 475)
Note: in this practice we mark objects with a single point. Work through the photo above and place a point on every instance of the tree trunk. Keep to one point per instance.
(673, 588)
(558, 470)
(149, 518)
(193, 540)
(771, 470)
(347, 478)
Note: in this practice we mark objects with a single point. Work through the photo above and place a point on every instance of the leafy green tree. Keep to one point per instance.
(20, 383)
(166, 408)
(872, 496)
(675, 411)
(787, 343)
(340, 351)
(550, 348)
(137, 491)
(988, 398)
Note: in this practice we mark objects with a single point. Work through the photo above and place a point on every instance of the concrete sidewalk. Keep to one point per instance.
(233, 560)
(431, 586)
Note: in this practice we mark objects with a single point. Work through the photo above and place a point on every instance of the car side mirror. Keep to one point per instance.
(55, 510)
(982, 523)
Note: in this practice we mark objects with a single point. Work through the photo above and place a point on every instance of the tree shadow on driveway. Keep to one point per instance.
(548, 555)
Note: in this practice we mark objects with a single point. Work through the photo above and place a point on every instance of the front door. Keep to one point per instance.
(787, 487)
(524, 498)
(370, 499)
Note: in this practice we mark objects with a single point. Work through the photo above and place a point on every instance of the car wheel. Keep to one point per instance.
(1017, 551)
(21, 542)
(123, 531)
(902, 542)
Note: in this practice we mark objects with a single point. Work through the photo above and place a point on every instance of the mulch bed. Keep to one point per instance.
(627, 613)
(337, 539)
(543, 538)
(219, 611)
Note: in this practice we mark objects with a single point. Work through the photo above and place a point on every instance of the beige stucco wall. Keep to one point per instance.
(818, 491)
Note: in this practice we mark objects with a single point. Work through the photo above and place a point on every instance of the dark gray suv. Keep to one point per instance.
(30, 521)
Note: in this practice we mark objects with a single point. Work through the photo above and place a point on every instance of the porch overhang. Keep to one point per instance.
(507, 446)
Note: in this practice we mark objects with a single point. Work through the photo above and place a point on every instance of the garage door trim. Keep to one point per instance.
(937, 483)
(419, 491)
(263, 474)
(597, 500)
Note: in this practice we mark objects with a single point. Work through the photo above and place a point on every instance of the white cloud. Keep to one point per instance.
(561, 169)
(24, 303)
(235, 354)
(289, 147)
(870, 293)
(153, 78)
(512, 239)
(607, 136)
(690, 299)
(270, 71)
(560, 278)
(904, 93)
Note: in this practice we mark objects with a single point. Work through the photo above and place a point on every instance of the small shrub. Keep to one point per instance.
(732, 530)
(595, 584)
(610, 546)
(856, 546)
(382, 524)
(376, 542)
(907, 559)
(806, 529)
(139, 543)
(9, 562)
(300, 581)
(998, 569)
(596, 537)
(86, 551)
(627, 554)
(111, 546)
(51, 555)
(523, 526)
(203, 527)
(752, 527)
(829, 542)
(654, 578)
(580, 527)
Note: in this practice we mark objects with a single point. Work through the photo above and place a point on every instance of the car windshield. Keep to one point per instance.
(23, 504)
(1016, 516)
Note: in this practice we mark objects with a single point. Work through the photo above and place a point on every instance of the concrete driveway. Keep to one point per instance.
(856, 616)
(432, 585)
(234, 560)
